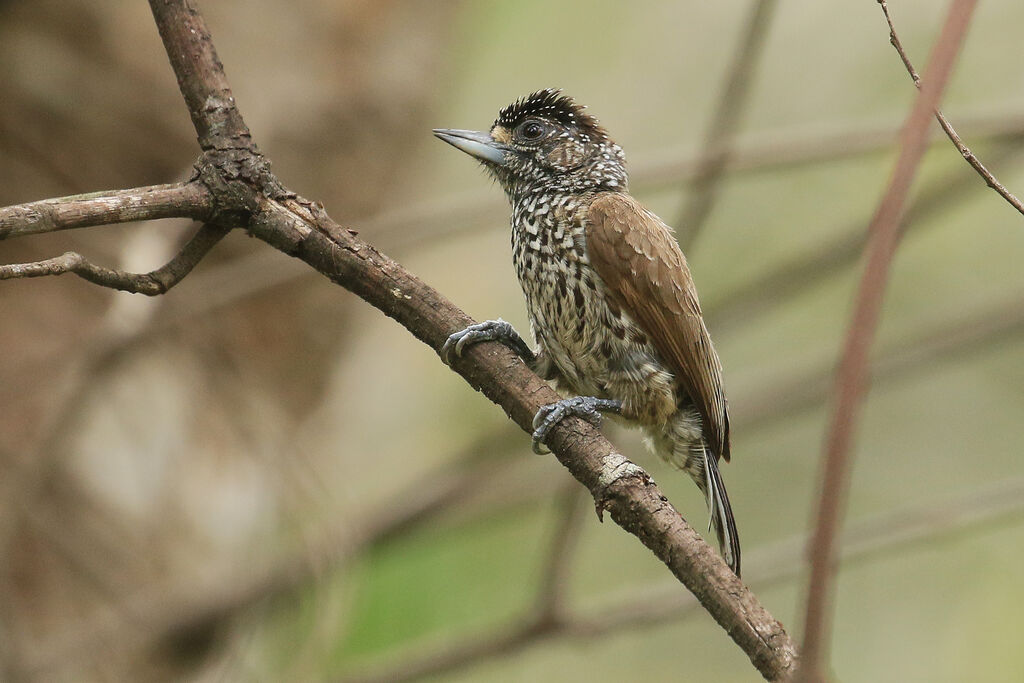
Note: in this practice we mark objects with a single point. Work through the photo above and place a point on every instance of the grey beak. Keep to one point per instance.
(474, 143)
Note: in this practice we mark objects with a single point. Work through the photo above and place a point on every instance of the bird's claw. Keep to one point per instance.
(489, 330)
(587, 407)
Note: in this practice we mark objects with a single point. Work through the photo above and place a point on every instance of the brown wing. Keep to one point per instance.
(639, 260)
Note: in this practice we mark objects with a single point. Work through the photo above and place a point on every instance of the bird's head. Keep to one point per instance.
(545, 140)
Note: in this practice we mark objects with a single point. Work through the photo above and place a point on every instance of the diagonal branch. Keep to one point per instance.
(625, 490)
(947, 127)
(851, 376)
(153, 283)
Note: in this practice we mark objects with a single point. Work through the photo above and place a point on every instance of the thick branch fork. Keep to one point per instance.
(233, 187)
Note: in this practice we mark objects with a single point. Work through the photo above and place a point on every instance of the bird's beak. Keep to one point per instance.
(474, 143)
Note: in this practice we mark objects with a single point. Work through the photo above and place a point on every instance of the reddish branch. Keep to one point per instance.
(851, 376)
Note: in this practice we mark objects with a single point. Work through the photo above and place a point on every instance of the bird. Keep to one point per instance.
(611, 302)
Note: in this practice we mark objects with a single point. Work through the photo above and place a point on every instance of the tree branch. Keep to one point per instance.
(947, 127)
(625, 490)
(153, 283)
(201, 77)
(180, 200)
(851, 377)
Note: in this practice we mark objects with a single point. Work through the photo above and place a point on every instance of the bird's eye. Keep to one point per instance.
(531, 131)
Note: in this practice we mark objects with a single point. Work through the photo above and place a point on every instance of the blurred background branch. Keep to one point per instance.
(780, 562)
(724, 122)
(851, 380)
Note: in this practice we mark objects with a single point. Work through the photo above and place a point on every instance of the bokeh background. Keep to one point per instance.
(259, 477)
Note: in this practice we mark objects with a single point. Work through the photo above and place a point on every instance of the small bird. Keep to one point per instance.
(611, 301)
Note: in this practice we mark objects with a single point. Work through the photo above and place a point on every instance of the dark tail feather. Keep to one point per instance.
(721, 513)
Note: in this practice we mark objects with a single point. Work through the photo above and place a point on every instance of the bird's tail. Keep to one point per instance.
(720, 511)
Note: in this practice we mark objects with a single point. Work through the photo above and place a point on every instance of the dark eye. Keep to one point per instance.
(531, 131)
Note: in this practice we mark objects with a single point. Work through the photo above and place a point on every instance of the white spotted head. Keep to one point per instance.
(545, 141)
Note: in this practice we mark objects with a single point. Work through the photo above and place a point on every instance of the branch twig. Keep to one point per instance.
(851, 377)
(201, 77)
(947, 127)
(153, 283)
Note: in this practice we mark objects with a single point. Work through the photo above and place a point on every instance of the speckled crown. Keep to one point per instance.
(550, 104)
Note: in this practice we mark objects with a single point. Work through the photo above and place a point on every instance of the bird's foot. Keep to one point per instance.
(490, 330)
(587, 407)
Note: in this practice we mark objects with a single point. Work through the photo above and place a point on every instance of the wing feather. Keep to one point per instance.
(646, 274)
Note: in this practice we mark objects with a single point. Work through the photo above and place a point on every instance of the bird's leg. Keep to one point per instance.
(587, 407)
(489, 330)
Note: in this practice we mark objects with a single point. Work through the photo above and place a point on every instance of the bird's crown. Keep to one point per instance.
(552, 105)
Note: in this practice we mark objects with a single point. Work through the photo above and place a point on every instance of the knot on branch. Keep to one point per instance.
(616, 475)
(238, 178)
